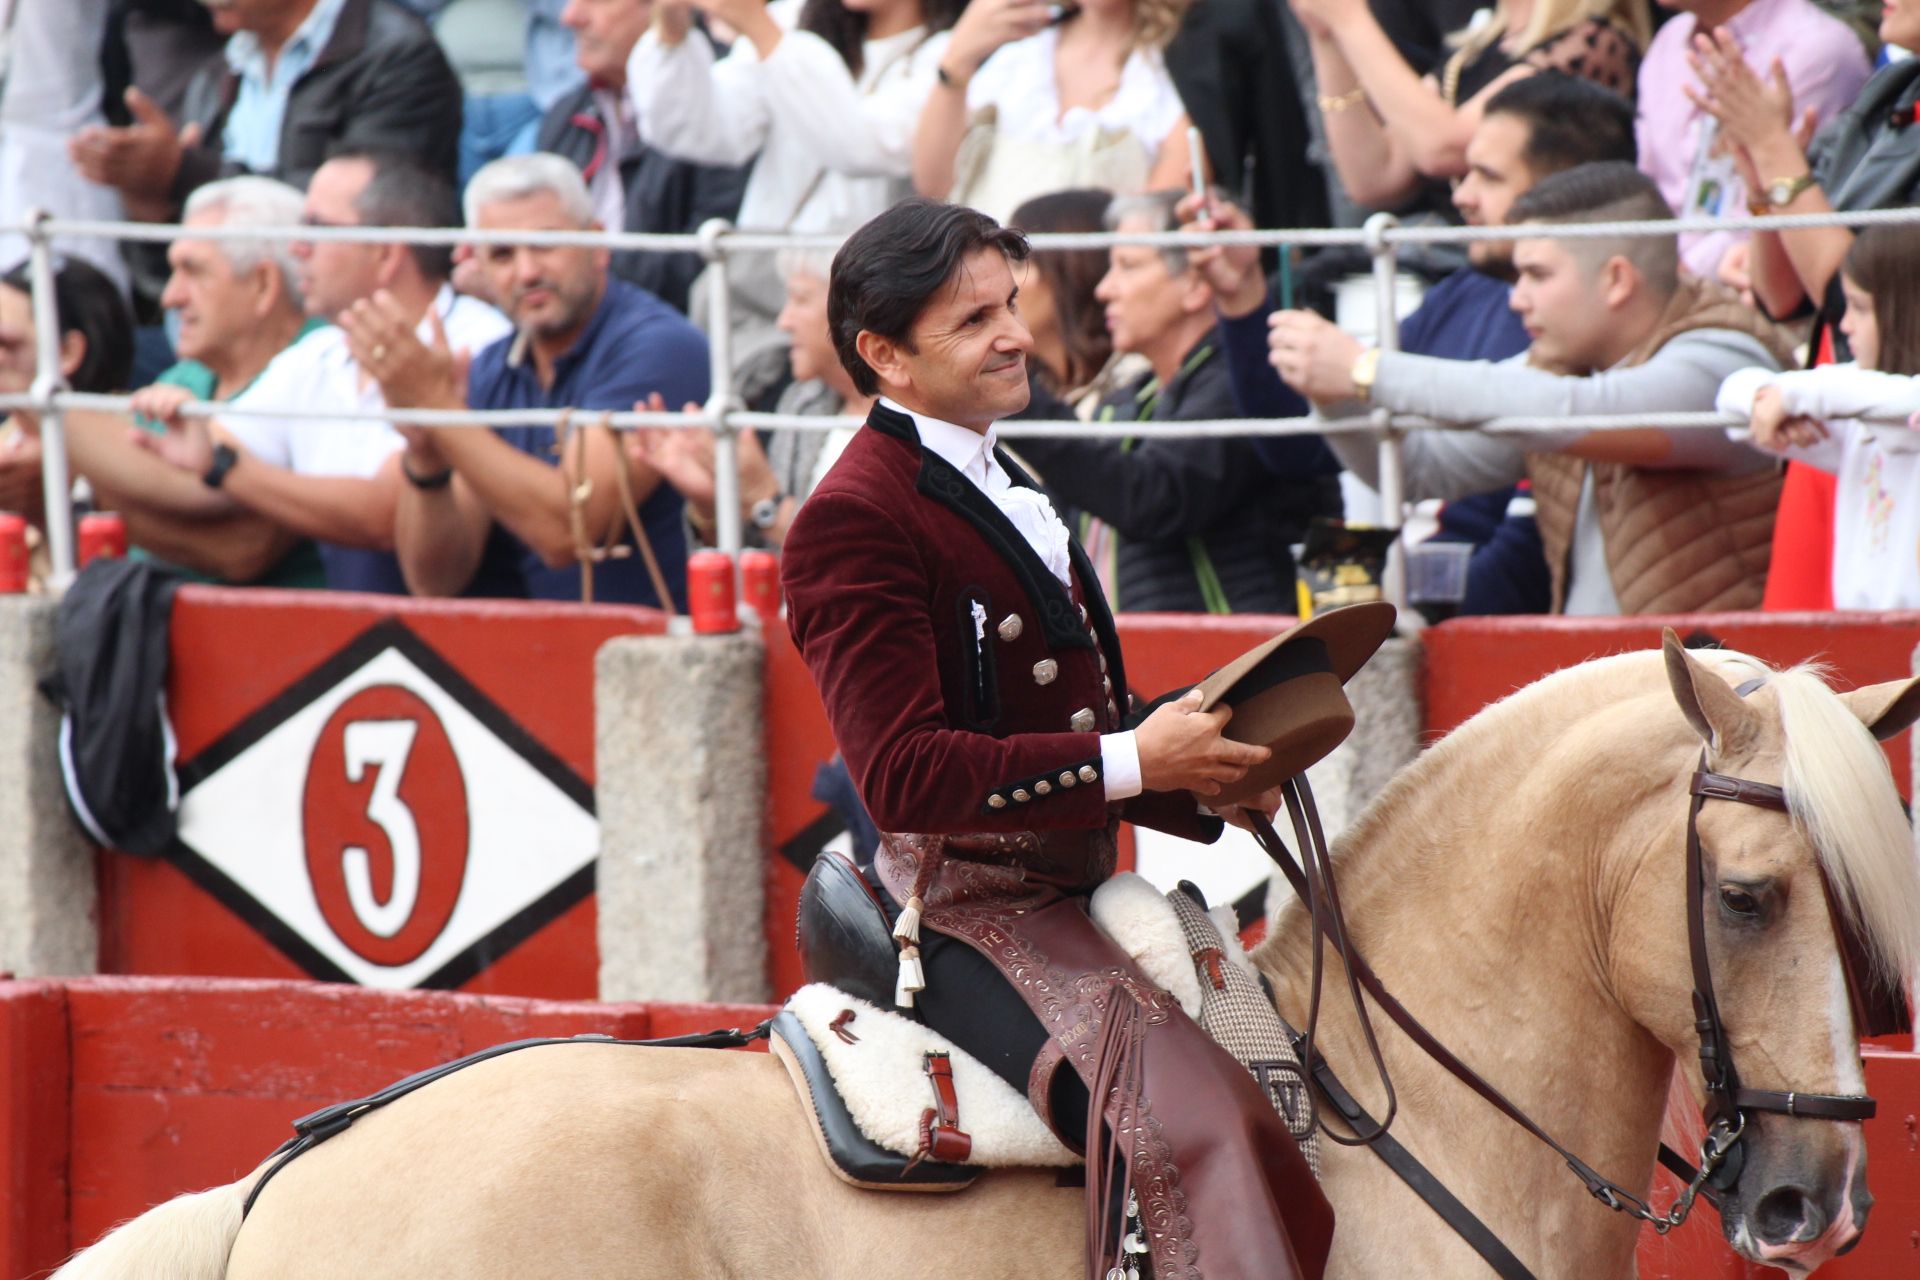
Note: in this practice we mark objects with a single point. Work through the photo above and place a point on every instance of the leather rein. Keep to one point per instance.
(1728, 1101)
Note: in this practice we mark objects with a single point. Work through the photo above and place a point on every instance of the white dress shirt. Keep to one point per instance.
(971, 454)
(319, 372)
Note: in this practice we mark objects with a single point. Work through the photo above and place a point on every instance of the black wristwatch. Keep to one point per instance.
(437, 480)
(224, 456)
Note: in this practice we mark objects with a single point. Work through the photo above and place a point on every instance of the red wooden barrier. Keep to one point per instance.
(122, 1092)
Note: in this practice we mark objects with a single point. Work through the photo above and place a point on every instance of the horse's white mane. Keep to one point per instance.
(1841, 793)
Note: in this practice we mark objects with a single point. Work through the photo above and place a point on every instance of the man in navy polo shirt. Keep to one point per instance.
(584, 340)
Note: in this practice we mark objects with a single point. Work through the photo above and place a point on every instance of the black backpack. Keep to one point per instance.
(110, 679)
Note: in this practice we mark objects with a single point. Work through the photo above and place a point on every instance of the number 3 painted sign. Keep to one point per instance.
(386, 818)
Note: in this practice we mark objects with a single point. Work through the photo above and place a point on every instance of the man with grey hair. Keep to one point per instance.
(239, 307)
(1644, 520)
(337, 480)
(585, 341)
(1178, 525)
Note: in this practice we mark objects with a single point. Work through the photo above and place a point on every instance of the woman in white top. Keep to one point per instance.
(1856, 421)
(825, 92)
(1045, 97)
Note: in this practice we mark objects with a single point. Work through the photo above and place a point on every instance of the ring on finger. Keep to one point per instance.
(379, 352)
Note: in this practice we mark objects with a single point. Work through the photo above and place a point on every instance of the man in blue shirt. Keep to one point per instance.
(584, 341)
(1541, 125)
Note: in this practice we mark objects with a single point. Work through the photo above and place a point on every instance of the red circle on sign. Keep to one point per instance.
(384, 817)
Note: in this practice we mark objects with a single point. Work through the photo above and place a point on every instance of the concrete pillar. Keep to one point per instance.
(47, 923)
(679, 747)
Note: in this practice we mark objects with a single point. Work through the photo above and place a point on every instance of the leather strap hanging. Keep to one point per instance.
(573, 473)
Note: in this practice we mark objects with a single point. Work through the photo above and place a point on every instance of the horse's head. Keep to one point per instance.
(1796, 1193)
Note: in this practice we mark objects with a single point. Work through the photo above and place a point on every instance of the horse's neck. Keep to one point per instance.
(1478, 894)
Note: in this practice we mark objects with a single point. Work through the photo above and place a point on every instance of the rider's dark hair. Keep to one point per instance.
(889, 270)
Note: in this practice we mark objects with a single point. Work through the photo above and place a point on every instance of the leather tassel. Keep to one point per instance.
(911, 978)
(907, 927)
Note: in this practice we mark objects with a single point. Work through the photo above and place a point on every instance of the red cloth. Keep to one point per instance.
(1800, 572)
(939, 707)
(1800, 575)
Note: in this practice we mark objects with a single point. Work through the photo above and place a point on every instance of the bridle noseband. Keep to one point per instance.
(1728, 1101)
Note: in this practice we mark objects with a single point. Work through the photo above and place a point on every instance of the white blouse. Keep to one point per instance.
(1876, 502)
(1018, 80)
(834, 151)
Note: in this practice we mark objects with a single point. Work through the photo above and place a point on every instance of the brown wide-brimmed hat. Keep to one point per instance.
(1288, 693)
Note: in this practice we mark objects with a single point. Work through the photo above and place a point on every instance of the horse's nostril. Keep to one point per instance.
(1788, 1215)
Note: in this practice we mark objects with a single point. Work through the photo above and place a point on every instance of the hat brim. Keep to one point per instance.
(1287, 692)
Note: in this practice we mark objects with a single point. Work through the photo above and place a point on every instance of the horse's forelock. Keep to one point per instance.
(1841, 793)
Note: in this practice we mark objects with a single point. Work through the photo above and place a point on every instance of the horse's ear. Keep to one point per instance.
(1710, 705)
(1886, 709)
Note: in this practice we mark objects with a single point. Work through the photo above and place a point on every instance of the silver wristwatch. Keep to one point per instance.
(764, 512)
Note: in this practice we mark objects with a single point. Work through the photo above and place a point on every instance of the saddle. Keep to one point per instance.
(895, 1106)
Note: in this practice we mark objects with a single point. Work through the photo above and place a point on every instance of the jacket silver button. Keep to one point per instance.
(1045, 671)
(1042, 787)
(1020, 795)
(1010, 627)
(1082, 720)
(1067, 779)
(1089, 774)
(996, 801)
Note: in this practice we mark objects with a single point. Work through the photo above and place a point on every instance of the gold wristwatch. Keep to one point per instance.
(1366, 366)
(1778, 194)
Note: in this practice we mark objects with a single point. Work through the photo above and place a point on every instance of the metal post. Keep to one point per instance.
(49, 382)
(726, 443)
(1393, 488)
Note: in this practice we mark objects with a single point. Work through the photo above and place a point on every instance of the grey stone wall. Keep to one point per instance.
(47, 910)
(682, 793)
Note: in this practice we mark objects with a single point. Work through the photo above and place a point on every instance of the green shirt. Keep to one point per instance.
(300, 567)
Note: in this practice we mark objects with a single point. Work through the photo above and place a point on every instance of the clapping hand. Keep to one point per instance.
(140, 159)
(411, 373)
(1752, 112)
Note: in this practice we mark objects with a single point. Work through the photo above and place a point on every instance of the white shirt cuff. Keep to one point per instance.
(1120, 765)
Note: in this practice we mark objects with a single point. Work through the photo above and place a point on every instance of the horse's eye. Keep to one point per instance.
(1739, 901)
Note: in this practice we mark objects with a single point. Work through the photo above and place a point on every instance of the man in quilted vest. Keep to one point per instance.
(1642, 520)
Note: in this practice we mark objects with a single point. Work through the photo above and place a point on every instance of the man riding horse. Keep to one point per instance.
(973, 678)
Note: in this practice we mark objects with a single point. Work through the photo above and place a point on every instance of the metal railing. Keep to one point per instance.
(50, 397)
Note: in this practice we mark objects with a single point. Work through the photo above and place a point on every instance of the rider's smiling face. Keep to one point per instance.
(965, 359)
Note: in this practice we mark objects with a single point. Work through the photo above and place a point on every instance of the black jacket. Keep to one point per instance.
(1188, 512)
(1229, 62)
(664, 195)
(381, 83)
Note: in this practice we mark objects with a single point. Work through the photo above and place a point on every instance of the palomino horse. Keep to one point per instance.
(1520, 888)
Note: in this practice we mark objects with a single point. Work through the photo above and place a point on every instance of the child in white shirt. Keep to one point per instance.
(1853, 420)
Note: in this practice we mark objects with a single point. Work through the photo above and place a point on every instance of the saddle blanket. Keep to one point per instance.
(879, 1059)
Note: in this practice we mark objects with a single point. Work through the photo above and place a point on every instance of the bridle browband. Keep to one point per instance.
(1876, 1012)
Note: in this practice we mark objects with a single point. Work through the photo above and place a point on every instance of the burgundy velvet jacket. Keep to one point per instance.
(966, 687)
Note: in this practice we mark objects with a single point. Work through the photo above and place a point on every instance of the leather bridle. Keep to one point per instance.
(1729, 1101)
(1876, 1011)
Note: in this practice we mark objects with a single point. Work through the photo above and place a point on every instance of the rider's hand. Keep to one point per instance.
(1182, 748)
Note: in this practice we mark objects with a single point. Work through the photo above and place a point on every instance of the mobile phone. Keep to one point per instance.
(1197, 169)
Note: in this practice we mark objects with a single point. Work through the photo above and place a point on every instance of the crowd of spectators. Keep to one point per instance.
(812, 116)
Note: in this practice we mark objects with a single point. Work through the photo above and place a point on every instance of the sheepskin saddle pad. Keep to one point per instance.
(896, 1106)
